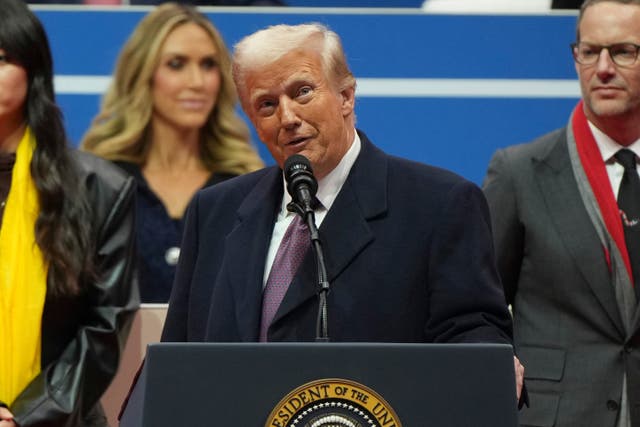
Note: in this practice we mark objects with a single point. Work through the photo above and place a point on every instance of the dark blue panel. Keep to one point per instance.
(399, 45)
(87, 42)
(78, 111)
(457, 134)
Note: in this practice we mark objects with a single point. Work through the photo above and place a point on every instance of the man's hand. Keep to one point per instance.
(519, 376)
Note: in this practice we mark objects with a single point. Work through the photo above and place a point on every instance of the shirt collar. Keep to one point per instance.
(331, 184)
(608, 147)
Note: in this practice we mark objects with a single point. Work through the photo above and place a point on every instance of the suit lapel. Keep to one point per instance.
(345, 230)
(246, 251)
(557, 184)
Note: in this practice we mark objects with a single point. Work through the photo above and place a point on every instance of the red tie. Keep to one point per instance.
(294, 246)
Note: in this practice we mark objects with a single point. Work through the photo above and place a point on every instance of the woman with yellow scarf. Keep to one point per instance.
(67, 282)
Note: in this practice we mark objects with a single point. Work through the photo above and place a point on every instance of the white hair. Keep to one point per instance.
(268, 45)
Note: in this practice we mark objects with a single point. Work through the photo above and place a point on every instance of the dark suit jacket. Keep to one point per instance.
(568, 329)
(408, 252)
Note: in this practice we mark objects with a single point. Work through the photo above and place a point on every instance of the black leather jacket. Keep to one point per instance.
(83, 336)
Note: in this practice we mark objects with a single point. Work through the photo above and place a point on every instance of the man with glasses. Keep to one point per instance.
(566, 220)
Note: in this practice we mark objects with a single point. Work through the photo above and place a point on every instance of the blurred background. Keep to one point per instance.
(428, 80)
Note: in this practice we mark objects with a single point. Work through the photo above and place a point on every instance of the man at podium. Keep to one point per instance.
(406, 247)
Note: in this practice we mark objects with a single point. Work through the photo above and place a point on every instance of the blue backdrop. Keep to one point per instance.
(442, 89)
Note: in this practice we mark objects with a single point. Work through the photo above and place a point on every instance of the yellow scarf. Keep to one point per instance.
(23, 280)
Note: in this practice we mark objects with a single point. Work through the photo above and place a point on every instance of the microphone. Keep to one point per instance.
(302, 186)
(301, 183)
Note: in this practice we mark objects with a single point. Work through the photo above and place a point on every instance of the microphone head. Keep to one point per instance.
(298, 172)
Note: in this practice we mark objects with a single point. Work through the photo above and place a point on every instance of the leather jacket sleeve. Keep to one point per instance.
(97, 323)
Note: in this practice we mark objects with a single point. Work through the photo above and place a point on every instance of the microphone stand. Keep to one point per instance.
(322, 323)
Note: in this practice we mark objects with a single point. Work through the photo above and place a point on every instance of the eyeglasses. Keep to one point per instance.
(622, 54)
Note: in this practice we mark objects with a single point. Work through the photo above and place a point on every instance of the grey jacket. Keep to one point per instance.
(568, 329)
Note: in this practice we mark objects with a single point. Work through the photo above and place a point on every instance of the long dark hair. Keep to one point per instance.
(62, 229)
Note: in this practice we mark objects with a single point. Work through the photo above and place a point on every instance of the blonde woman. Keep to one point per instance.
(169, 119)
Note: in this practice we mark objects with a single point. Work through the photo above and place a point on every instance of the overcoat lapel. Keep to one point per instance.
(558, 186)
(345, 231)
(246, 251)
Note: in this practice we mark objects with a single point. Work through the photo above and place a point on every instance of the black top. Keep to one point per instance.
(566, 4)
(158, 237)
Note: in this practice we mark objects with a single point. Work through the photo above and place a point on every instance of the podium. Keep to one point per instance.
(324, 384)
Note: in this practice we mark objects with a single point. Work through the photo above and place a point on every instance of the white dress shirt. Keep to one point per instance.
(608, 148)
(328, 189)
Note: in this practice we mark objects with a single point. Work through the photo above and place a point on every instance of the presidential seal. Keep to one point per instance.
(333, 403)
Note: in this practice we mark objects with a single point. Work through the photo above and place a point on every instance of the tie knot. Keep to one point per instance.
(626, 158)
(315, 205)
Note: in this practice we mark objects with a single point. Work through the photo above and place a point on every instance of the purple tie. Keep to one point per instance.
(294, 246)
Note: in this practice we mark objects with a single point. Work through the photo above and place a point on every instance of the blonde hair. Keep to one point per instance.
(120, 131)
(270, 44)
